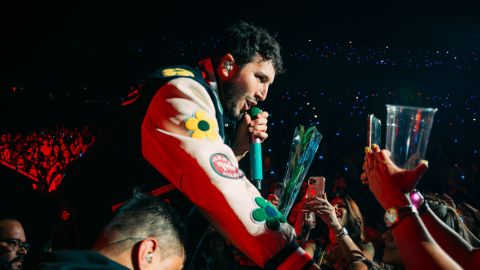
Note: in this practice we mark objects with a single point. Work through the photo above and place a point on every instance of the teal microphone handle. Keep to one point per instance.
(256, 170)
(256, 161)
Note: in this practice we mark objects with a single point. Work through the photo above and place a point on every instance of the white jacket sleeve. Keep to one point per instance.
(180, 139)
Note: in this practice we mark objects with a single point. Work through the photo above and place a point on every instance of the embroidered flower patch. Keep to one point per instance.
(200, 126)
(268, 213)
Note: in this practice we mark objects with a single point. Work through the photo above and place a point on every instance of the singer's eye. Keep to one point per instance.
(261, 78)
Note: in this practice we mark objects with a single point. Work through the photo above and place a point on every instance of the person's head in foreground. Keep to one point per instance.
(145, 233)
(13, 244)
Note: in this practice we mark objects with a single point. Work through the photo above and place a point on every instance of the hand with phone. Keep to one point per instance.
(316, 187)
(304, 220)
(325, 210)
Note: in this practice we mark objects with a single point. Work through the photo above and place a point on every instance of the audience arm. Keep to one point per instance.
(389, 184)
(451, 242)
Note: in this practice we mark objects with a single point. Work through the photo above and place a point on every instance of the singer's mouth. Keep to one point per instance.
(250, 102)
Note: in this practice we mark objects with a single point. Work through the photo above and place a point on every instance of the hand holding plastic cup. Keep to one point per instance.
(408, 132)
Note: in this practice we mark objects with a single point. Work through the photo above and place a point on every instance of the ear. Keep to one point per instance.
(147, 249)
(227, 67)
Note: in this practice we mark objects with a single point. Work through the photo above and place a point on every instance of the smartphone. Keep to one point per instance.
(316, 186)
(374, 131)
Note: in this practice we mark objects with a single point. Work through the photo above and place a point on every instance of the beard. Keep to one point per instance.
(13, 264)
(232, 94)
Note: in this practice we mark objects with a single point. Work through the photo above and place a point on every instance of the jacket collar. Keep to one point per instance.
(209, 75)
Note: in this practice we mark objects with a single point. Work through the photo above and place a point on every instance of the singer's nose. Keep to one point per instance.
(262, 93)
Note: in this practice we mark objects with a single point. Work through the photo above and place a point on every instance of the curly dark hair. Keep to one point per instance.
(448, 215)
(471, 217)
(244, 41)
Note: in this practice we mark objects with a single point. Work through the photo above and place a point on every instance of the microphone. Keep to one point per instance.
(256, 170)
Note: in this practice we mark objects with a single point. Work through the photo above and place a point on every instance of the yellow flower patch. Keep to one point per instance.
(200, 126)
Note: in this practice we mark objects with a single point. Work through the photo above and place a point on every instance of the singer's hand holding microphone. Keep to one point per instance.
(245, 129)
(256, 160)
(251, 132)
(258, 126)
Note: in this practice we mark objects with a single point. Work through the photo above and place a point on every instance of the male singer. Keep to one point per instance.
(185, 137)
(189, 134)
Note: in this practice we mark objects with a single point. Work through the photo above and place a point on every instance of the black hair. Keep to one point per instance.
(146, 216)
(448, 215)
(471, 218)
(244, 41)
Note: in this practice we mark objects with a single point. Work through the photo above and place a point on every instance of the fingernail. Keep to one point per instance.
(424, 162)
(367, 150)
(375, 147)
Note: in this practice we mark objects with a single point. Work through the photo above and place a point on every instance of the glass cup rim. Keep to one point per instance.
(394, 107)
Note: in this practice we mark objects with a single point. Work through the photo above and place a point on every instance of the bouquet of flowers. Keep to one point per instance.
(304, 145)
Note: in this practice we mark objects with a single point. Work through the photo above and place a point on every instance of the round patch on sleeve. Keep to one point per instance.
(222, 165)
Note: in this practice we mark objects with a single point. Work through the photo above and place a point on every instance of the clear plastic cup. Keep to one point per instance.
(408, 131)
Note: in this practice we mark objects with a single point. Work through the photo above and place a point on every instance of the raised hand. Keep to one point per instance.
(325, 210)
(388, 182)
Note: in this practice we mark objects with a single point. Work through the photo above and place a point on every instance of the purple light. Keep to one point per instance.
(415, 199)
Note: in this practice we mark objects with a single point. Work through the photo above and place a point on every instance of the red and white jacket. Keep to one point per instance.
(180, 138)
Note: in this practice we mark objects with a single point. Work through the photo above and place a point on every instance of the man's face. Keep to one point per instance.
(248, 86)
(12, 240)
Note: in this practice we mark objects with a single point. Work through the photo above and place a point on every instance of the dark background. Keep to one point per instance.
(61, 47)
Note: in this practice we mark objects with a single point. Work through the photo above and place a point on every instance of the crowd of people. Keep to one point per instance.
(42, 156)
(454, 157)
(331, 230)
(318, 224)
